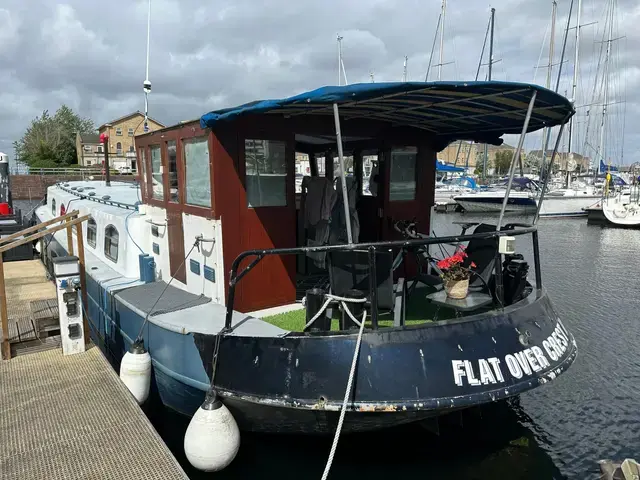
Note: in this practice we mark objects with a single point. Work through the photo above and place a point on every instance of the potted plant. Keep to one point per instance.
(455, 275)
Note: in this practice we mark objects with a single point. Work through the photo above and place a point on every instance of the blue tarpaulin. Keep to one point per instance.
(450, 109)
(443, 167)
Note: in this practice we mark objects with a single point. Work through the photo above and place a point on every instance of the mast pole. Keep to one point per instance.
(574, 87)
(433, 47)
(339, 59)
(545, 133)
(444, 12)
(486, 147)
(603, 124)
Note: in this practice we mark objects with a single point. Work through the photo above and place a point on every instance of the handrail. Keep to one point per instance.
(235, 277)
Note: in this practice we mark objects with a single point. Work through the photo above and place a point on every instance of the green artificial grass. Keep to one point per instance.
(418, 310)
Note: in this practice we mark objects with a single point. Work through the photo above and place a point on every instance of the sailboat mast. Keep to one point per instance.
(339, 60)
(444, 12)
(603, 124)
(486, 147)
(574, 87)
(545, 132)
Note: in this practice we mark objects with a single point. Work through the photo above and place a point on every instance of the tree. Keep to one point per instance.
(50, 141)
(502, 162)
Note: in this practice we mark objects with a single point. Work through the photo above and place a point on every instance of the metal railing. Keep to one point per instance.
(509, 230)
(83, 172)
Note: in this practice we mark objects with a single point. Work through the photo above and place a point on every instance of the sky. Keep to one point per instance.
(208, 54)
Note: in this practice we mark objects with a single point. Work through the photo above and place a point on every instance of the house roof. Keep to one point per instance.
(126, 117)
(89, 138)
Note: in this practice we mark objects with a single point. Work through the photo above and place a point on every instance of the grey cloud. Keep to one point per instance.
(206, 55)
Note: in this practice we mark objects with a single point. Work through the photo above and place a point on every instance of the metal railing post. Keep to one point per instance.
(516, 156)
(536, 259)
(373, 288)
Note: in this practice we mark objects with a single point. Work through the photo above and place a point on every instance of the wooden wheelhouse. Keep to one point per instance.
(238, 166)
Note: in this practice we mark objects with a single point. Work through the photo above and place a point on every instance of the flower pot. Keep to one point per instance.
(457, 289)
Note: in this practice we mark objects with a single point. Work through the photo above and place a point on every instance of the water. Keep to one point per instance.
(557, 431)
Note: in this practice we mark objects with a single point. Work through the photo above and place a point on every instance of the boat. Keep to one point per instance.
(234, 289)
(525, 197)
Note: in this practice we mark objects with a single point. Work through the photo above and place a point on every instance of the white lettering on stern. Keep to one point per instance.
(488, 371)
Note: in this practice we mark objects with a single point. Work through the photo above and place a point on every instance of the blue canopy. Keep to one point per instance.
(443, 167)
(472, 110)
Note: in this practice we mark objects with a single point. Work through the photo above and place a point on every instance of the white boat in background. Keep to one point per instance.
(445, 191)
(622, 209)
(524, 198)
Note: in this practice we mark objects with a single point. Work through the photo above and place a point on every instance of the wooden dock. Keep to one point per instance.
(66, 417)
(71, 417)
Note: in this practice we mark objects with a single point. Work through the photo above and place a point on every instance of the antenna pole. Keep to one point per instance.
(146, 85)
(404, 70)
(444, 12)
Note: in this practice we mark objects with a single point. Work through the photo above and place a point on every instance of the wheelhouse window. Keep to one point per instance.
(197, 178)
(172, 158)
(266, 173)
(142, 165)
(402, 185)
(111, 238)
(53, 207)
(92, 230)
(156, 172)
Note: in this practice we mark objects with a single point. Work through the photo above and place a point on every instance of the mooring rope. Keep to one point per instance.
(347, 393)
(146, 317)
(342, 301)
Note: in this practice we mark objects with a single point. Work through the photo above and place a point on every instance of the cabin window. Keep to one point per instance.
(156, 172)
(172, 157)
(53, 207)
(197, 179)
(266, 173)
(111, 243)
(402, 185)
(143, 165)
(92, 230)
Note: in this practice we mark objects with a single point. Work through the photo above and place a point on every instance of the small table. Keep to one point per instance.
(472, 301)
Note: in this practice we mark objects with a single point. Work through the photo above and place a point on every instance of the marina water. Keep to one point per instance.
(557, 431)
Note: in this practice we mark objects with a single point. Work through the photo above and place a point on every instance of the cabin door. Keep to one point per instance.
(267, 220)
(176, 244)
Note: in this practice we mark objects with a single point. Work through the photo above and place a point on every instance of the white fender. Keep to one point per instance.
(135, 371)
(212, 439)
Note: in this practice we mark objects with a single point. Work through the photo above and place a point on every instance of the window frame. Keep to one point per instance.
(179, 196)
(160, 200)
(182, 150)
(415, 173)
(118, 148)
(91, 221)
(267, 138)
(130, 131)
(53, 207)
(118, 131)
(108, 237)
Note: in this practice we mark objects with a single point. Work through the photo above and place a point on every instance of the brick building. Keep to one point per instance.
(89, 149)
(121, 131)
